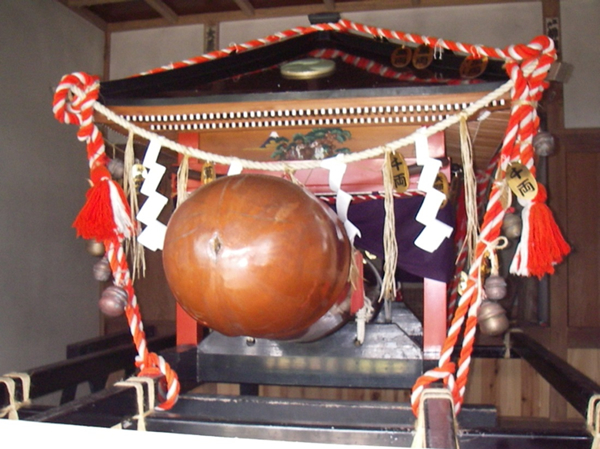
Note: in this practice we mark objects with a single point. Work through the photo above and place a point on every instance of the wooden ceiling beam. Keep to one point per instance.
(83, 3)
(246, 7)
(87, 15)
(164, 10)
(287, 11)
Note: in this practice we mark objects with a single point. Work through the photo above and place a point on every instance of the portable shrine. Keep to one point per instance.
(301, 102)
(312, 173)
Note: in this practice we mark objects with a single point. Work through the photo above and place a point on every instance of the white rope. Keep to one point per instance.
(419, 440)
(138, 383)
(492, 248)
(298, 165)
(11, 410)
(593, 420)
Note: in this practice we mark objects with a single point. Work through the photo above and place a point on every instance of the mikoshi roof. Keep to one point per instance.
(243, 85)
(364, 68)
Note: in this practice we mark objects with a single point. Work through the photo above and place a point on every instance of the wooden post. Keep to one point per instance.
(434, 318)
(211, 36)
(106, 66)
(557, 192)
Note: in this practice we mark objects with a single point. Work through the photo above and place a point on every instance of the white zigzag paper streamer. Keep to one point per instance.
(435, 231)
(337, 168)
(153, 235)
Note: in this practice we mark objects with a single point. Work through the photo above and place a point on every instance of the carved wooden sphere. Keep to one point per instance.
(256, 256)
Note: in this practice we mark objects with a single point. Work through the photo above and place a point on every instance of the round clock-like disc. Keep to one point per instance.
(307, 69)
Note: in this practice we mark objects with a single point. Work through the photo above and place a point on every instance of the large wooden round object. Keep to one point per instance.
(257, 256)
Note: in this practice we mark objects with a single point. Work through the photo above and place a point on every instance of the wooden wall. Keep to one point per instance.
(583, 217)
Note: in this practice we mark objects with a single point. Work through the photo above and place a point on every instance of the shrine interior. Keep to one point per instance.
(276, 209)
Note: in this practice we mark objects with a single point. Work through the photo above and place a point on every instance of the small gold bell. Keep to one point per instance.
(492, 318)
(138, 175)
(116, 167)
(543, 144)
(495, 287)
(512, 226)
(208, 172)
(95, 248)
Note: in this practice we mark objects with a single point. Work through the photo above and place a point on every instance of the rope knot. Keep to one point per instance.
(11, 410)
(498, 243)
(154, 365)
(445, 373)
(74, 98)
(593, 419)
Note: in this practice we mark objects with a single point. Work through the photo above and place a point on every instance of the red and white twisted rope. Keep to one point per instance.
(342, 26)
(361, 197)
(74, 104)
(149, 364)
(382, 70)
(76, 108)
(250, 45)
(536, 62)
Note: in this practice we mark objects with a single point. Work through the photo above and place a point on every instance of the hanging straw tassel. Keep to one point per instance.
(182, 179)
(542, 244)
(128, 161)
(106, 212)
(133, 247)
(390, 245)
(470, 190)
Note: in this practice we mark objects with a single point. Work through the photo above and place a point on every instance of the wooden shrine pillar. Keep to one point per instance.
(434, 318)
(558, 198)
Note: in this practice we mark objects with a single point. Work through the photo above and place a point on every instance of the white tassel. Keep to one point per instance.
(121, 216)
(521, 257)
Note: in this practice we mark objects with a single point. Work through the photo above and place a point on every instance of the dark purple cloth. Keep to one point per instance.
(369, 216)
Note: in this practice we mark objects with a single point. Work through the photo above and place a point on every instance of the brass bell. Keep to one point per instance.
(492, 318)
(113, 301)
(543, 144)
(495, 287)
(138, 175)
(95, 248)
(116, 167)
(512, 226)
(102, 271)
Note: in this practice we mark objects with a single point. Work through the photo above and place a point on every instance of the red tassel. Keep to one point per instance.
(547, 247)
(96, 218)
